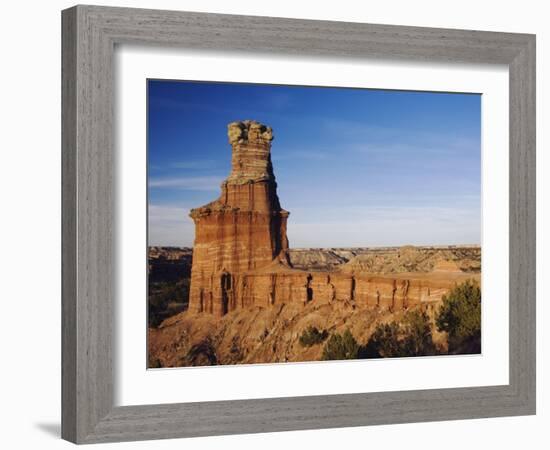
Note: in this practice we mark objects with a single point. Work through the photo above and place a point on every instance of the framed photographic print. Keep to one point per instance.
(255, 209)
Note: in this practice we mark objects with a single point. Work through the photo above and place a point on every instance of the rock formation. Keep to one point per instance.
(245, 228)
(240, 256)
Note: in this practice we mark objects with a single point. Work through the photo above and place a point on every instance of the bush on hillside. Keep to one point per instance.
(460, 317)
(341, 346)
(312, 336)
(410, 337)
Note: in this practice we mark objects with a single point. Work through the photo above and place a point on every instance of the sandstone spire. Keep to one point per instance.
(245, 228)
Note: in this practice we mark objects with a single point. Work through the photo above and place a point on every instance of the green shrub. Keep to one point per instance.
(418, 334)
(341, 347)
(411, 337)
(385, 342)
(312, 336)
(460, 317)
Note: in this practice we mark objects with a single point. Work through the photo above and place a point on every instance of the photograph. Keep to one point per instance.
(292, 224)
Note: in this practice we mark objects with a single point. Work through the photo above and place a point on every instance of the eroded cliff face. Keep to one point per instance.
(240, 256)
(244, 229)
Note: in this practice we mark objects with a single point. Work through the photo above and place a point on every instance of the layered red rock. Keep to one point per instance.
(245, 228)
(274, 286)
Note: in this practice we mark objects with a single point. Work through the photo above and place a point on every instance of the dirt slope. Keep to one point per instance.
(256, 335)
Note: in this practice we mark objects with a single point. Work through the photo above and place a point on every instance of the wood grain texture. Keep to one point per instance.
(68, 225)
(523, 224)
(89, 36)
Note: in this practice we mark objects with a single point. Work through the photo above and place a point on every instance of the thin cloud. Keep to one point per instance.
(305, 154)
(206, 183)
(348, 128)
(203, 164)
(393, 138)
(380, 226)
(170, 225)
(167, 213)
(418, 155)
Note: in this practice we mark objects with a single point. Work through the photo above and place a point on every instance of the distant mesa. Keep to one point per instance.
(241, 255)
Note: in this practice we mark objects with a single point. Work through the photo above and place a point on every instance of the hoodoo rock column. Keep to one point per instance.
(244, 229)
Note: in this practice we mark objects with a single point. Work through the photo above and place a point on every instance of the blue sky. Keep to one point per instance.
(355, 167)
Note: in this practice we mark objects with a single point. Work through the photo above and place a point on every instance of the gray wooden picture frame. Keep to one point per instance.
(90, 34)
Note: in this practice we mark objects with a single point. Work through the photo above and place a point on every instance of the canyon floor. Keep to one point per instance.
(272, 334)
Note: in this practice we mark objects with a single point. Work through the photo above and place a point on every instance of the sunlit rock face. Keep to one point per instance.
(244, 229)
(240, 255)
